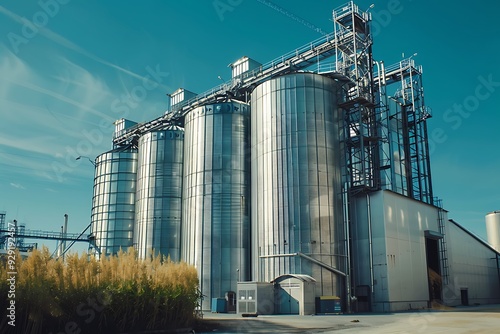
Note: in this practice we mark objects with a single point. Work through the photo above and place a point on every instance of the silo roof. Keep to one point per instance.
(172, 127)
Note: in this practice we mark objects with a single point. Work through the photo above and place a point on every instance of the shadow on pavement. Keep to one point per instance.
(261, 325)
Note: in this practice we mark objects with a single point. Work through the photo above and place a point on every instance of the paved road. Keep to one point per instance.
(479, 319)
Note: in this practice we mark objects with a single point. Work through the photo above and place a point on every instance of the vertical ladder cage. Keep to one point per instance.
(443, 252)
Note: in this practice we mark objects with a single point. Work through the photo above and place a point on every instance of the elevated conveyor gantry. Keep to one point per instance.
(46, 235)
(330, 45)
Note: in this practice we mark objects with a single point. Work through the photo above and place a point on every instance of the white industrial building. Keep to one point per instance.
(407, 254)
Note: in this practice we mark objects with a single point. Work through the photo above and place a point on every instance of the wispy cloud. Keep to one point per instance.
(64, 42)
(17, 185)
(38, 167)
(77, 88)
(10, 67)
(39, 145)
(49, 107)
(63, 98)
(62, 109)
(12, 15)
(45, 119)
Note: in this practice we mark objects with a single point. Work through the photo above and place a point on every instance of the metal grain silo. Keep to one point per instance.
(215, 216)
(493, 229)
(159, 191)
(296, 180)
(113, 203)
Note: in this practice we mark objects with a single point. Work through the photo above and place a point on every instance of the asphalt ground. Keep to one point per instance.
(474, 319)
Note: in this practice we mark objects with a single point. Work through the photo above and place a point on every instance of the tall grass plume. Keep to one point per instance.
(115, 294)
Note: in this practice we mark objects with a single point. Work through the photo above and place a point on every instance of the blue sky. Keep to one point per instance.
(69, 68)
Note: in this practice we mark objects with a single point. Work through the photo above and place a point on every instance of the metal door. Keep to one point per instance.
(230, 301)
(464, 296)
(288, 299)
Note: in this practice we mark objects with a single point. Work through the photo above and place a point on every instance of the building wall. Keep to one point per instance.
(367, 247)
(473, 266)
(399, 272)
(405, 223)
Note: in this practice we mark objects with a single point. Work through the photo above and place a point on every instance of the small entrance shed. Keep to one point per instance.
(294, 294)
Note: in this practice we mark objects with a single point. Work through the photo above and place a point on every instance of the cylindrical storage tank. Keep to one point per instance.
(159, 193)
(493, 229)
(296, 181)
(215, 213)
(113, 203)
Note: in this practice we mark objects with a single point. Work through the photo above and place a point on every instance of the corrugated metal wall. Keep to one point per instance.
(216, 190)
(296, 203)
(159, 193)
(113, 203)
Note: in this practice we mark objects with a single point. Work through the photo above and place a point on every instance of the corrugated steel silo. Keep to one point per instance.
(493, 229)
(159, 193)
(113, 203)
(296, 180)
(215, 215)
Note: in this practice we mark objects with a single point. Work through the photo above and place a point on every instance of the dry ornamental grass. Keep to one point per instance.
(83, 295)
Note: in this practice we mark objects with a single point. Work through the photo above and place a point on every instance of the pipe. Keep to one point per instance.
(73, 242)
(498, 269)
(60, 246)
(65, 233)
(382, 69)
(370, 241)
(322, 264)
(56, 251)
(347, 235)
(307, 257)
(16, 231)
